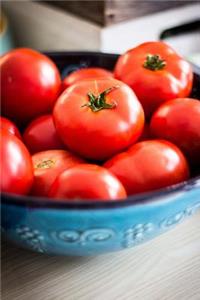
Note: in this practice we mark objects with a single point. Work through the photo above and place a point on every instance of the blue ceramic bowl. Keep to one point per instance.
(58, 227)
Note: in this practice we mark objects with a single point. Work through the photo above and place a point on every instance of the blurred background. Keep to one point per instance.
(107, 25)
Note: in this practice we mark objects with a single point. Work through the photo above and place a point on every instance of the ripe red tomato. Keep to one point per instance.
(9, 126)
(47, 166)
(86, 73)
(98, 118)
(15, 165)
(148, 166)
(89, 182)
(156, 73)
(178, 121)
(30, 84)
(41, 135)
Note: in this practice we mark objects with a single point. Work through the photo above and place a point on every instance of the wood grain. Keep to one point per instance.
(109, 12)
(89, 10)
(167, 268)
(117, 11)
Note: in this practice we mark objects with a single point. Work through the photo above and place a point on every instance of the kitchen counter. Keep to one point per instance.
(167, 268)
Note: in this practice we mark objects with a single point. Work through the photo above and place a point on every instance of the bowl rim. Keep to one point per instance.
(133, 200)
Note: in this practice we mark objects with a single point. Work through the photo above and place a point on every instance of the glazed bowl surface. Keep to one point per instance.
(85, 228)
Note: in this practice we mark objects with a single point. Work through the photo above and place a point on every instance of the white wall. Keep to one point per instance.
(120, 37)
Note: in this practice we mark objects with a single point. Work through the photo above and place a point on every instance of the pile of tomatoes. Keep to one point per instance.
(97, 134)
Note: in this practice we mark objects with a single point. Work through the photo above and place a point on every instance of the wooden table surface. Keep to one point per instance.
(167, 268)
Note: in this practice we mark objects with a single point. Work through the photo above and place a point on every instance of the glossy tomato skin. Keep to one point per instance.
(100, 134)
(30, 84)
(9, 126)
(47, 166)
(15, 165)
(87, 182)
(85, 73)
(148, 166)
(178, 121)
(153, 87)
(41, 135)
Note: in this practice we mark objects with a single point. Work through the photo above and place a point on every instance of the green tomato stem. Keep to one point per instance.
(154, 62)
(97, 103)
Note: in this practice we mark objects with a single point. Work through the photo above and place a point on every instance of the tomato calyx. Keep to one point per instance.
(45, 164)
(154, 62)
(97, 103)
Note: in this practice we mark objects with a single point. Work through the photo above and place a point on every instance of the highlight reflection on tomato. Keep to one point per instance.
(156, 73)
(48, 165)
(9, 126)
(98, 118)
(148, 166)
(15, 165)
(85, 73)
(89, 182)
(41, 135)
(30, 84)
(178, 121)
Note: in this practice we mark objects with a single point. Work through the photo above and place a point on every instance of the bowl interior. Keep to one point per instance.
(68, 62)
